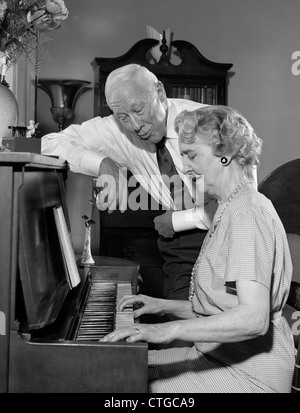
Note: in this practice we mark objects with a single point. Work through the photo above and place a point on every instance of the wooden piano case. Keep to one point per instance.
(37, 352)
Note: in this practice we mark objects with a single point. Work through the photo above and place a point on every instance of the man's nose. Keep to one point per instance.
(136, 123)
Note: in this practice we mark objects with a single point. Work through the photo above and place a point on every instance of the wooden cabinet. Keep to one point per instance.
(194, 77)
(131, 234)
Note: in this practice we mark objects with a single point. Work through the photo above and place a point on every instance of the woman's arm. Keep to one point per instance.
(248, 320)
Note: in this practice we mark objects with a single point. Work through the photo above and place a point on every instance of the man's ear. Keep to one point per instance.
(161, 92)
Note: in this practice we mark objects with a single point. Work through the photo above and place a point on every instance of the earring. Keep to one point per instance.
(224, 161)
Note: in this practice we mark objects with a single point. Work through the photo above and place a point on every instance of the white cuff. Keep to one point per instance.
(90, 163)
(199, 217)
(183, 220)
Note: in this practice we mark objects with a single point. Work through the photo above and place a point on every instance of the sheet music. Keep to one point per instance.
(67, 247)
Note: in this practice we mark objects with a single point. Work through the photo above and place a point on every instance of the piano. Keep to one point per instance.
(50, 340)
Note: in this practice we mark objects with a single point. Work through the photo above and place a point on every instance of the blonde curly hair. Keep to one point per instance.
(225, 129)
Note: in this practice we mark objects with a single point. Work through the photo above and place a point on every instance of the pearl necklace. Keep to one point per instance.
(209, 236)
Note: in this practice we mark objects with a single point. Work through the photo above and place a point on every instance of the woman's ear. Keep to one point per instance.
(161, 92)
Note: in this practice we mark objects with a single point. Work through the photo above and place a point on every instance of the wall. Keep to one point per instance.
(257, 36)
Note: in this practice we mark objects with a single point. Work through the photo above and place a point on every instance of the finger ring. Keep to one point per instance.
(137, 330)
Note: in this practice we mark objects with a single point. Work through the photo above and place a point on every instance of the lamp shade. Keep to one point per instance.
(8, 112)
(64, 94)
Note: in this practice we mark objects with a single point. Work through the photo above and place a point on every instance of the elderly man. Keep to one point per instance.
(141, 127)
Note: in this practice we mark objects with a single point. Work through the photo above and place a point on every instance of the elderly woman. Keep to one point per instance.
(239, 283)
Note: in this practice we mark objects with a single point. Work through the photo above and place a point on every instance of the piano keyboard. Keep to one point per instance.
(100, 315)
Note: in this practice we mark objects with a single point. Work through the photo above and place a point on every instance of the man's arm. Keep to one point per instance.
(199, 217)
(85, 146)
(171, 222)
(111, 187)
(70, 146)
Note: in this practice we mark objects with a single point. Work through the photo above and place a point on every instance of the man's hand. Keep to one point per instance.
(163, 224)
(108, 186)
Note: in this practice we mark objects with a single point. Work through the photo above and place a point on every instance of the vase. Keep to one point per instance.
(87, 258)
(8, 112)
(64, 95)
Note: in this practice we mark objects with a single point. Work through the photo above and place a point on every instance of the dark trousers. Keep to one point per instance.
(179, 254)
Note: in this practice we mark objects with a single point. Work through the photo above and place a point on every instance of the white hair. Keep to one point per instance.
(120, 80)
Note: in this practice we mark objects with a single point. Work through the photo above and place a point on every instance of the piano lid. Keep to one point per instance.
(41, 264)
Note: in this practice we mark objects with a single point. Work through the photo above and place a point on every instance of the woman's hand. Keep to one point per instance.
(150, 333)
(146, 305)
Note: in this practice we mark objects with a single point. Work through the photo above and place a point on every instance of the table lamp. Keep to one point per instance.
(64, 94)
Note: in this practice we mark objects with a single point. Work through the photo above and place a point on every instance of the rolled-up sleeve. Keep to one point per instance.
(199, 217)
(85, 146)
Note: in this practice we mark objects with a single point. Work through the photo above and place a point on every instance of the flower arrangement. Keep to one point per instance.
(23, 24)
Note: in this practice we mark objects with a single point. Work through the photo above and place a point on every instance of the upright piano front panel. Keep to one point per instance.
(76, 367)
